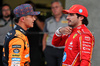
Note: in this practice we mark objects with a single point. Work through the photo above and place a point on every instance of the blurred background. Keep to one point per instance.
(41, 5)
(94, 18)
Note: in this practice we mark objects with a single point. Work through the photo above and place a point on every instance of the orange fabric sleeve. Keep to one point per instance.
(16, 48)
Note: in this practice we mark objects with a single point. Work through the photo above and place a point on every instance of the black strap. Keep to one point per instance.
(12, 23)
(7, 23)
(4, 24)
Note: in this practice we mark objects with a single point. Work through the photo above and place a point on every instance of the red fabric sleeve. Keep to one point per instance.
(86, 48)
(59, 41)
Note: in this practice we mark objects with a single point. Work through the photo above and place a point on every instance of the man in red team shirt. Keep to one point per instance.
(76, 38)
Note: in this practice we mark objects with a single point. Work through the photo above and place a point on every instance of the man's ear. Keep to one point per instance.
(22, 19)
(81, 18)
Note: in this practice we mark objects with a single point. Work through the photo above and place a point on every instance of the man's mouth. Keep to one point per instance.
(69, 21)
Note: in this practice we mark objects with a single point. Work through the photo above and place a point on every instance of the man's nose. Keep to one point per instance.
(68, 17)
(34, 18)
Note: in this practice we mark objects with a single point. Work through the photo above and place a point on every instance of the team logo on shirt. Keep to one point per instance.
(27, 55)
(16, 59)
(87, 38)
(64, 21)
(16, 50)
(70, 46)
(15, 62)
(74, 36)
(80, 10)
(64, 57)
(16, 55)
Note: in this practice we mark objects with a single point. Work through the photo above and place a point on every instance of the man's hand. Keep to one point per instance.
(43, 48)
(65, 30)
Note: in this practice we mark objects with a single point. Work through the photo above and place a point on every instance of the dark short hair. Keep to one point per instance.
(6, 5)
(16, 19)
(29, 2)
(32, 3)
(85, 20)
(56, 1)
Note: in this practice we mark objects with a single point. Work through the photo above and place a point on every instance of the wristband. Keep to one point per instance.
(58, 33)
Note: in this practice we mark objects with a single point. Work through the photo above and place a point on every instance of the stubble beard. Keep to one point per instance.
(7, 16)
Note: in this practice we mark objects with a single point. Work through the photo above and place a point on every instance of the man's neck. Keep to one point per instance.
(22, 26)
(80, 23)
(6, 18)
(57, 17)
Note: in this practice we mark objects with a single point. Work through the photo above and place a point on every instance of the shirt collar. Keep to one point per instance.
(79, 27)
(60, 17)
(17, 27)
(5, 20)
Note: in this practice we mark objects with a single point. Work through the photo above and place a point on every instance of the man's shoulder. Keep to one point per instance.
(14, 34)
(85, 31)
(64, 15)
(48, 19)
(20, 35)
(10, 34)
(1, 19)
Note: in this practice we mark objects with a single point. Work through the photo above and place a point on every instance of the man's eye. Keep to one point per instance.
(56, 6)
(71, 14)
(31, 15)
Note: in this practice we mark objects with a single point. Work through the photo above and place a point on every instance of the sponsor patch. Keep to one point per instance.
(84, 48)
(64, 21)
(80, 10)
(86, 42)
(16, 59)
(16, 55)
(27, 45)
(74, 36)
(87, 38)
(71, 42)
(86, 45)
(16, 46)
(15, 62)
(64, 57)
(70, 46)
(16, 50)
(86, 52)
(9, 33)
(26, 55)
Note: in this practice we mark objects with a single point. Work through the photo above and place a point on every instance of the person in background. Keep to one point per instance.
(79, 41)
(6, 24)
(35, 38)
(53, 55)
(16, 47)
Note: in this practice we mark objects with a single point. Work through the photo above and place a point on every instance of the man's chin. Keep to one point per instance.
(70, 25)
(32, 26)
(7, 16)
